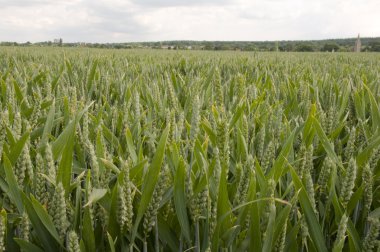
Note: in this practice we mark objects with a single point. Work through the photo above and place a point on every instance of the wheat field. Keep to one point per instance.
(143, 150)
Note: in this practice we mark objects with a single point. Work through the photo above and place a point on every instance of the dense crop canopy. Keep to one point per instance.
(105, 150)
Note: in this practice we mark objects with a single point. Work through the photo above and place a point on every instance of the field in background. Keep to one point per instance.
(142, 150)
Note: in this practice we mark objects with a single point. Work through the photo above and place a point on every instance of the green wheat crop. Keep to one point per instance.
(138, 150)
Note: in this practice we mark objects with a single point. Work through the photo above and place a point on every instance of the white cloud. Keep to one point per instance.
(133, 20)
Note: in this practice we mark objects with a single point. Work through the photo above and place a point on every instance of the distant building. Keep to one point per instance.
(58, 41)
(358, 44)
(168, 47)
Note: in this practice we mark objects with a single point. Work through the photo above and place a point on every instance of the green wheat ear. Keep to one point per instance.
(241, 193)
(51, 168)
(195, 118)
(152, 211)
(368, 187)
(372, 236)
(348, 183)
(280, 245)
(3, 229)
(350, 148)
(341, 234)
(245, 128)
(223, 139)
(218, 93)
(3, 125)
(57, 210)
(269, 156)
(41, 192)
(72, 242)
(17, 125)
(260, 144)
(374, 159)
(121, 207)
(25, 227)
(128, 196)
(94, 165)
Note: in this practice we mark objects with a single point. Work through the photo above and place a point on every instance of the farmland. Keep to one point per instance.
(142, 150)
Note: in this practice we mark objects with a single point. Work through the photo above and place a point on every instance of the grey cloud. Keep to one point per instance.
(29, 3)
(141, 20)
(180, 3)
(5, 3)
(84, 20)
(115, 19)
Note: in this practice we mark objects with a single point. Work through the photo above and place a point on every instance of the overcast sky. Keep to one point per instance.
(157, 20)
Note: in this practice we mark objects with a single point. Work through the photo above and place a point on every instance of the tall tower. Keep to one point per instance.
(358, 44)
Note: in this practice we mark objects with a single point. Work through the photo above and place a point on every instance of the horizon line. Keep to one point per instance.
(191, 40)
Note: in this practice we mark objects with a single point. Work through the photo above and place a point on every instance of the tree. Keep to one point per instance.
(304, 47)
(374, 46)
(208, 46)
(330, 46)
(289, 47)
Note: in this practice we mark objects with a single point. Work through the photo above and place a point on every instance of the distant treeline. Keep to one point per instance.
(341, 45)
